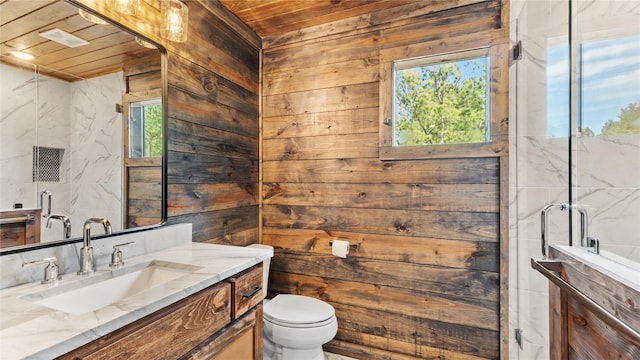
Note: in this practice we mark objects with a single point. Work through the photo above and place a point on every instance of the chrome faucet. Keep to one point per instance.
(86, 252)
(66, 223)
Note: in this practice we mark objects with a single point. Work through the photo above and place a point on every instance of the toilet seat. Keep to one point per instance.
(297, 311)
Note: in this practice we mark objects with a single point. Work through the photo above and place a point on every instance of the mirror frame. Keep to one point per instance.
(165, 128)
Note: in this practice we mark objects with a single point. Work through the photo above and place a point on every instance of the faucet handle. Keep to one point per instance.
(116, 256)
(51, 271)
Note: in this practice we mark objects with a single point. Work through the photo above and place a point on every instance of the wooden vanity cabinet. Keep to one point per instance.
(201, 326)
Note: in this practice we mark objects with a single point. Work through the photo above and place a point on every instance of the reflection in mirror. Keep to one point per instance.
(64, 140)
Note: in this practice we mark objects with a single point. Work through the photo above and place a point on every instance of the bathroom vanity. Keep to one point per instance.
(193, 301)
(218, 322)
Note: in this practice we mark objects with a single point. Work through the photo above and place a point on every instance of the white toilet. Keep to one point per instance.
(295, 326)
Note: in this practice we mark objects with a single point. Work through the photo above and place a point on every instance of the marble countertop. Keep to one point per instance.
(32, 331)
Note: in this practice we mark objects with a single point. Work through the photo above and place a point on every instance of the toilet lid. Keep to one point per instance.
(297, 309)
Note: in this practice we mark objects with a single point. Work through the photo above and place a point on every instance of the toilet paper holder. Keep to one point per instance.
(355, 246)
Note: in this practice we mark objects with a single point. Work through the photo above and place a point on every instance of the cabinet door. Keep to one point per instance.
(242, 340)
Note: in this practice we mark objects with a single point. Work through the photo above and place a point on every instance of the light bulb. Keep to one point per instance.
(127, 7)
(175, 15)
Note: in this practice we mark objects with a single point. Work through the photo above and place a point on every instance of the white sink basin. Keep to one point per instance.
(102, 289)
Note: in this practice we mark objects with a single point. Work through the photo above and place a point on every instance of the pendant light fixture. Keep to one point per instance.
(175, 16)
(90, 17)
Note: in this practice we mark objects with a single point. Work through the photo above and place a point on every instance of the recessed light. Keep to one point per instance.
(22, 55)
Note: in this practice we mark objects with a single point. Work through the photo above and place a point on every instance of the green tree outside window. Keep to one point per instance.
(443, 103)
(145, 128)
(153, 130)
(628, 122)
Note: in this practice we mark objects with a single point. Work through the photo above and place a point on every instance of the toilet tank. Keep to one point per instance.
(265, 266)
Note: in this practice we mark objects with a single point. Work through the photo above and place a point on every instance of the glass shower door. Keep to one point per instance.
(606, 170)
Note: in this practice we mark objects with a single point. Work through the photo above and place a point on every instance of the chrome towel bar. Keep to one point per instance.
(18, 219)
(547, 268)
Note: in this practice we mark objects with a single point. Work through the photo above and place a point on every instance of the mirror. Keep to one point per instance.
(81, 125)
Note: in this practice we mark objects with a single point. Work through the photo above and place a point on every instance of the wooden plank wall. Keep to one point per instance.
(213, 130)
(426, 279)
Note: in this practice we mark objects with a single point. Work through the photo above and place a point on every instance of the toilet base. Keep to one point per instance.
(271, 351)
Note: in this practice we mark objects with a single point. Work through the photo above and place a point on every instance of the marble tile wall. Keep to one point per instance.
(605, 183)
(24, 121)
(54, 130)
(608, 185)
(96, 150)
(78, 117)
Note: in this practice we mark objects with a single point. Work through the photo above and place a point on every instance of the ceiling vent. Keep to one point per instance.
(64, 38)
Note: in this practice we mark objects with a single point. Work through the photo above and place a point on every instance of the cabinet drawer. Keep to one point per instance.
(246, 291)
(168, 333)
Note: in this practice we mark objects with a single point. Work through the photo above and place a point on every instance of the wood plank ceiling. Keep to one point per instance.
(274, 17)
(21, 22)
(109, 48)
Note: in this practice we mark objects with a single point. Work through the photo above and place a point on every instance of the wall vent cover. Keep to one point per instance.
(63, 37)
(46, 163)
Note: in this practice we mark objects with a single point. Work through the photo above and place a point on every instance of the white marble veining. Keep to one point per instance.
(96, 151)
(78, 117)
(18, 119)
(38, 332)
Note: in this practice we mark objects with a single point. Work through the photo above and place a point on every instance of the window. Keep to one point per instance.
(417, 120)
(441, 99)
(145, 128)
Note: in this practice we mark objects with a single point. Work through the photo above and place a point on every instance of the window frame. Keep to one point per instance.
(497, 76)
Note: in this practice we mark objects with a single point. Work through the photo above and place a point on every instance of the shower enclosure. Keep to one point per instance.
(575, 135)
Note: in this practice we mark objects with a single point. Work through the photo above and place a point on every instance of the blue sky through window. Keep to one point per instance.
(609, 78)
